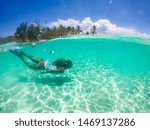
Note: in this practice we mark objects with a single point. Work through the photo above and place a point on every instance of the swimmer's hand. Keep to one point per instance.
(51, 52)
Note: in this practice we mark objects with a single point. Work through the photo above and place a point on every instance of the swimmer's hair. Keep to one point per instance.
(67, 64)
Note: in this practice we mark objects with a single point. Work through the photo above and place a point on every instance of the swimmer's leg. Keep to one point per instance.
(18, 54)
(21, 55)
(36, 60)
(37, 66)
(39, 63)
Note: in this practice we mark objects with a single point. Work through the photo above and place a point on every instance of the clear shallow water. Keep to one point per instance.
(108, 75)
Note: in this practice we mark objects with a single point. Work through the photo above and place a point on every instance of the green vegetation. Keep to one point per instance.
(59, 32)
(34, 32)
(7, 39)
(26, 33)
(21, 32)
(93, 30)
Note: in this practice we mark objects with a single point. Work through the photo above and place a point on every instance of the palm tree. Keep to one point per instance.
(87, 33)
(33, 31)
(21, 32)
(93, 30)
(78, 29)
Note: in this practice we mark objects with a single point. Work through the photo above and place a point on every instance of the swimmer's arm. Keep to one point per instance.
(32, 65)
(58, 70)
(51, 71)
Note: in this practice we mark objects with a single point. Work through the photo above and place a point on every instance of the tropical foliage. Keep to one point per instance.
(35, 32)
(21, 32)
(27, 33)
(60, 32)
(93, 30)
(6, 39)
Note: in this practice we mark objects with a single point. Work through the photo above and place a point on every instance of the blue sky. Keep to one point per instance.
(133, 14)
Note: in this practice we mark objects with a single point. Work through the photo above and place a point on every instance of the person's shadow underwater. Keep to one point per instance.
(50, 81)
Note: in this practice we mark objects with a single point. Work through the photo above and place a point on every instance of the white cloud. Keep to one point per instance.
(86, 24)
(104, 26)
(65, 23)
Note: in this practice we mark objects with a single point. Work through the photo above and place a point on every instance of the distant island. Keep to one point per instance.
(34, 32)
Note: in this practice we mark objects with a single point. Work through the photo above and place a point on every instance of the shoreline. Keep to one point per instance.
(18, 45)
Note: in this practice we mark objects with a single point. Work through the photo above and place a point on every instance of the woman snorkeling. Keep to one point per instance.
(58, 66)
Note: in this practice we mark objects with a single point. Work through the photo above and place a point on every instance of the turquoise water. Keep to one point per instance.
(108, 75)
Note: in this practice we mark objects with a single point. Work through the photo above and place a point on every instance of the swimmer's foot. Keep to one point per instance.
(26, 61)
(18, 53)
(13, 51)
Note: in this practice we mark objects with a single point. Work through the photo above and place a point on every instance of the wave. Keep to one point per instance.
(9, 46)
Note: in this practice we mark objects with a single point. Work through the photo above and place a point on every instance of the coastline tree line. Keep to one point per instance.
(34, 32)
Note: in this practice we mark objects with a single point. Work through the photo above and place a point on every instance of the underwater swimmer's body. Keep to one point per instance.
(58, 66)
